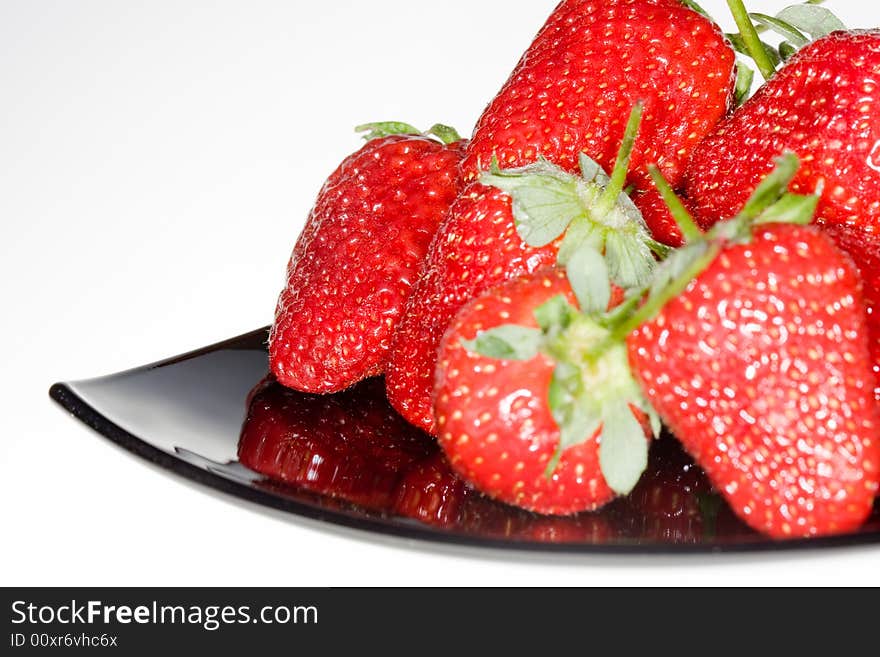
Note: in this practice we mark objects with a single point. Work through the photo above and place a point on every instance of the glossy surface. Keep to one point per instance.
(761, 366)
(186, 415)
(504, 436)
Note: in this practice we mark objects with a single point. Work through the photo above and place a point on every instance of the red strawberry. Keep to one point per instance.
(528, 218)
(524, 427)
(478, 246)
(589, 64)
(761, 369)
(824, 105)
(354, 265)
(350, 446)
(569, 96)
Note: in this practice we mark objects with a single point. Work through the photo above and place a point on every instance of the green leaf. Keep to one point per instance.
(623, 452)
(382, 129)
(581, 232)
(630, 261)
(565, 387)
(592, 171)
(745, 76)
(545, 200)
(697, 8)
(791, 209)
(576, 421)
(445, 133)
(812, 19)
(588, 276)
(556, 314)
(782, 28)
(507, 342)
(655, 421)
(786, 50)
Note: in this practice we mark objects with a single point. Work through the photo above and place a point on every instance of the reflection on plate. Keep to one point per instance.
(214, 417)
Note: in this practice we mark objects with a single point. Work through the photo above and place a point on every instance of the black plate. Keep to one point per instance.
(189, 413)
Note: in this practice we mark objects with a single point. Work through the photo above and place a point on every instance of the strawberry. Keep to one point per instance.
(354, 265)
(519, 221)
(669, 62)
(823, 106)
(350, 446)
(478, 246)
(761, 368)
(521, 413)
(589, 64)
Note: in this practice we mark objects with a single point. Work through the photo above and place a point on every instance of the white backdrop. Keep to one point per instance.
(157, 161)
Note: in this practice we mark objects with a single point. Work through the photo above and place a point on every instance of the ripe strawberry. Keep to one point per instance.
(823, 106)
(521, 413)
(350, 446)
(354, 265)
(477, 246)
(589, 64)
(520, 221)
(761, 369)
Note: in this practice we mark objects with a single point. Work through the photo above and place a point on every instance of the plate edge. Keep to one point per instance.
(64, 395)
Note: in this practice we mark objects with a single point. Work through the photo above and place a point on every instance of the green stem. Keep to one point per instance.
(751, 39)
(680, 214)
(621, 166)
(657, 299)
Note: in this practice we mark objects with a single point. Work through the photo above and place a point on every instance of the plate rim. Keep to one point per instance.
(64, 394)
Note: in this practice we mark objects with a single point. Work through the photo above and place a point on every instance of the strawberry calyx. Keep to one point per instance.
(591, 209)
(382, 129)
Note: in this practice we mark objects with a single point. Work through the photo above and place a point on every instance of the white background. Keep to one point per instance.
(157, 161)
